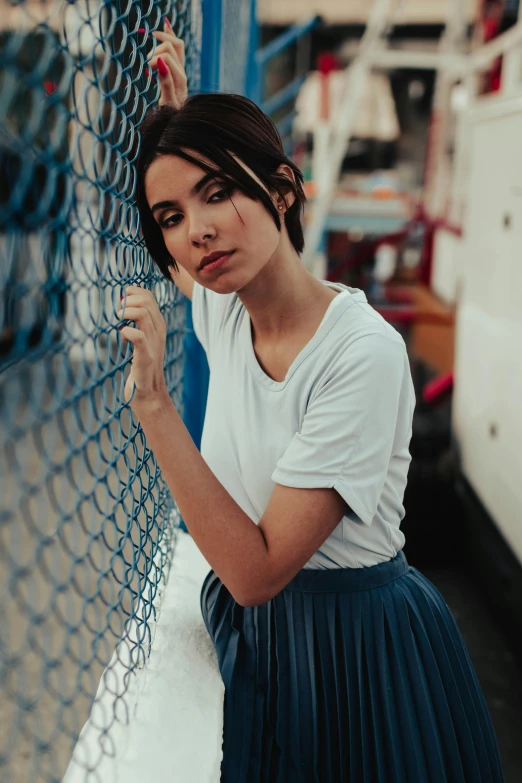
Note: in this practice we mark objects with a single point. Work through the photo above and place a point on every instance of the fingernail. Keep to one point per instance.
(162, 68)
(168, 24)
(142, 30)
(147, 71)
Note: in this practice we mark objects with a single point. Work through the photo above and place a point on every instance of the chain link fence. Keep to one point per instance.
(87, 525)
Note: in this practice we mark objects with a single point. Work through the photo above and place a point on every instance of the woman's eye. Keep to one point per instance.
(220, 193)
(165, 223)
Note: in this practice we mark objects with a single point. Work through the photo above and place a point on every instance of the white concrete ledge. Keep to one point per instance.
(174, 730)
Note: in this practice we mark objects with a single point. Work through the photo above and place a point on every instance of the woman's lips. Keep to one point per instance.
(218, 262)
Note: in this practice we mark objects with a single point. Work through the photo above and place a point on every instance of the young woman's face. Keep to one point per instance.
(201, 219)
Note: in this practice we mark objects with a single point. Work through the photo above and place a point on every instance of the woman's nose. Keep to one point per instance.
(200, 231)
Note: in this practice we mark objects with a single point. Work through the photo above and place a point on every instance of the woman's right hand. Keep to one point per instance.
(172, 76)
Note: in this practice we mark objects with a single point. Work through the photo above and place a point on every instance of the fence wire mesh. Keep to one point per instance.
(86, 521)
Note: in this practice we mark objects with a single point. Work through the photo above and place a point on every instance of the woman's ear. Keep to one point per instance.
(288, 191)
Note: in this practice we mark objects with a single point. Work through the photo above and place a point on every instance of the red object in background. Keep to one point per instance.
(397, 297)
(437, 390)
(490, 29)
(495, 79)
(404, 315)
(326, 63)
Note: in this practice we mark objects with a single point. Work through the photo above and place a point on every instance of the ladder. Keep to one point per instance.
(333, 136)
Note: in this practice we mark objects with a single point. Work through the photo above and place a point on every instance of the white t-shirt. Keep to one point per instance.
(342, 418)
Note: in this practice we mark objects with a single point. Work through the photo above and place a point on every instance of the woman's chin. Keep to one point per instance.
(223, 285)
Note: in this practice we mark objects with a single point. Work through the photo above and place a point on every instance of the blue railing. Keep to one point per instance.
(256, 76)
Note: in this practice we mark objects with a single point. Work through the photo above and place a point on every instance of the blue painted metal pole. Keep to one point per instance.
(195, 382)
(253, 86)
(283, 96)
(212, 13)
(196, 371)
(196, 376)
(285, 39)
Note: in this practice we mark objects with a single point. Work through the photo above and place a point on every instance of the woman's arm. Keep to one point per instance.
(229, 540)
(254, 562)
(226, 536)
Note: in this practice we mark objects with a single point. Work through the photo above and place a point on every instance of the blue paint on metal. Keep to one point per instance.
(253, 72)
(195, 383)
(285, 125)
(256, 76)
(370, 224)
(211, 45)
(284, 40)
(283, 96)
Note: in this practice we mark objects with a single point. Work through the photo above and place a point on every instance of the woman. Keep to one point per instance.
(340, 661)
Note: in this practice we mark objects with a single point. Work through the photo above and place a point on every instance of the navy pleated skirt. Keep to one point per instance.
(353, 675)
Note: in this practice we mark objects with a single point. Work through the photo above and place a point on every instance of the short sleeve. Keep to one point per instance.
(349, 430)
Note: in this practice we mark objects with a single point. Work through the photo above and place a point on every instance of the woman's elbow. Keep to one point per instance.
(255, 589)
(249, 598)
(248, 603)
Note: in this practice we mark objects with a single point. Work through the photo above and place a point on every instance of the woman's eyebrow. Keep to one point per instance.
(195, 190)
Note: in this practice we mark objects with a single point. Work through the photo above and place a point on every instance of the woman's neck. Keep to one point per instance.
(283, 298)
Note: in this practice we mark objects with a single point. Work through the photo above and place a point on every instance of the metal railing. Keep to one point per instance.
(296, 34)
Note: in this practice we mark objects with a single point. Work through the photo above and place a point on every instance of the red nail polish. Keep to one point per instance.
(162, 68)
(167, 22)
(142, 30)
(147, 71)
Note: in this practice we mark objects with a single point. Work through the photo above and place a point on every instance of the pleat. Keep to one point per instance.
(306, 696)
(363, 749)
(364, 681)
(470, 724)
(379, 728)
(258, 738)
(338, 686)
(403, 705)
(442, 623)
(309, 663)
(295, 642)
(392, 752)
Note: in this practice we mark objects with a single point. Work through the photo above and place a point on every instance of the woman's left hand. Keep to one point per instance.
(148, 340)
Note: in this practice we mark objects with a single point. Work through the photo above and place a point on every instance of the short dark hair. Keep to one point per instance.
(216, 125)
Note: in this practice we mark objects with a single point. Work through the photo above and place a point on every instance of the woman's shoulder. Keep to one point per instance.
(361, 345)
(357, 319)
